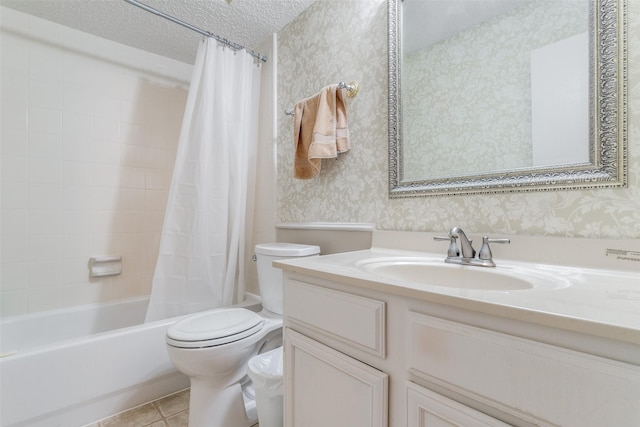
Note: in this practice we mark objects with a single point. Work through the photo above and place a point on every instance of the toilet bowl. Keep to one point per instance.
(213, 347)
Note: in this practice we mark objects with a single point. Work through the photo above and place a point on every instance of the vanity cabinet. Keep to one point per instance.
(329, 388)
(357, 355)
(426, 408)
(324, 386)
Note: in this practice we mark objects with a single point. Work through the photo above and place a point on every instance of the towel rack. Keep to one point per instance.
(352, 90)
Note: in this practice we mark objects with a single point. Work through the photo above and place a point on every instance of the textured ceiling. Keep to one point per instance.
(246, 22)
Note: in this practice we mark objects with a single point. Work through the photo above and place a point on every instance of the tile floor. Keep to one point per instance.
(169, 411)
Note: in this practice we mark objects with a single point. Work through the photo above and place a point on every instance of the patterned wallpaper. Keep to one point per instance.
(475, 89)
(347, 40)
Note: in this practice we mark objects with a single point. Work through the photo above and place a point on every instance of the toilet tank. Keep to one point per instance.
(270, 278)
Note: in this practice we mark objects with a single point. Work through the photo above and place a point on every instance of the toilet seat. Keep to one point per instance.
(214, 328)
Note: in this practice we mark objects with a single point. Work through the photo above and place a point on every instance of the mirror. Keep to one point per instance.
(489, 96)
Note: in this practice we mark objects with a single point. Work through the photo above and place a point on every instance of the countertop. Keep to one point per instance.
(597, 302)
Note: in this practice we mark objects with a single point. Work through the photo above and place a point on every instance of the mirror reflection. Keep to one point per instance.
(502, 93)
(497, 89)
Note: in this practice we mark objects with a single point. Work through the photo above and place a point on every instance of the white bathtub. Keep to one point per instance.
(68, 368)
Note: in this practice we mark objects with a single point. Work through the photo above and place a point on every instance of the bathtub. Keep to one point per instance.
(71, 367)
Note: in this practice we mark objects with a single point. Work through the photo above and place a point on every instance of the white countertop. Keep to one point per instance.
(593, 301)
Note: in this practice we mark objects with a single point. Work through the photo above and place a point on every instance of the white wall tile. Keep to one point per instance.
(155, 200)
(15, 195)
(43, 274)
(157, 179)
(159, 158)
(14, 249)
(130, 221)
(77, 123)
(14, 115)
(47, 145)
(106, 175)
(105, 130)
(13, 303)
(13, 276)
(132, 199)
(45, 93)
(77, 246)
(76, 173)
(13, 222)
(76, 197)
(44, 196)
(44, 247)
(13, 142)
(75, 270)
(103, 198)
(15, 85)
(107, 242)
(14, 169)
(44, 222)
(45, 119)
(43, 299)
(77, 222)
(106, 107)
(134, 134)
(134, 156)
(78, 70)
(76, 98)
(44, 171)
(82, 140)
(77, 148)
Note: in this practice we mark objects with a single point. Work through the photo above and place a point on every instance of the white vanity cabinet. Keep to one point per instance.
(357, 355)
(328, 388)
(426, 408)
(324, 386)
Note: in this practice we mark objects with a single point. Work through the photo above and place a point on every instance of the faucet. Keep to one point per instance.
(468, 255)
(467, 249)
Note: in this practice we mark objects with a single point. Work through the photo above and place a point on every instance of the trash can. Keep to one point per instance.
(265, 370)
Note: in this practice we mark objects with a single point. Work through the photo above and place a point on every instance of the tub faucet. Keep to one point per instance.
(465, 254)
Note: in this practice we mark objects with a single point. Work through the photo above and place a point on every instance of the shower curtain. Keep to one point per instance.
(201, 264)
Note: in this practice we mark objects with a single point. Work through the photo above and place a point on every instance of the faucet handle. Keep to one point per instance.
(453, 250)
(485, 251)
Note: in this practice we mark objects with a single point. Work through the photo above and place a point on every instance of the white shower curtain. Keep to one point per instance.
(201, 264)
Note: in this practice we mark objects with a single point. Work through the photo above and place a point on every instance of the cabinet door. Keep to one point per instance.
(324, 387)
(426, 408)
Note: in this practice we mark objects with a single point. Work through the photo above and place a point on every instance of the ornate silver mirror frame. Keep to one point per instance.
(608, 121)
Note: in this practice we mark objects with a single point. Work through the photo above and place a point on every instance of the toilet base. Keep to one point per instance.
(212, 407)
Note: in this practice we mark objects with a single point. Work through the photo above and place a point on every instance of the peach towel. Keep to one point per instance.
(320, 131)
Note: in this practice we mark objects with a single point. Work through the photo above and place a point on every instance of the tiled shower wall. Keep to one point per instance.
(88, 143)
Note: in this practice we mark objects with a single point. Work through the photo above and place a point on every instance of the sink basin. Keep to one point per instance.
(432, 272)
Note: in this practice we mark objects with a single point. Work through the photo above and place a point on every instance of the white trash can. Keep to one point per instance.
(265, 370)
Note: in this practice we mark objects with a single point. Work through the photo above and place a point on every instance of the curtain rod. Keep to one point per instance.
(222, 40)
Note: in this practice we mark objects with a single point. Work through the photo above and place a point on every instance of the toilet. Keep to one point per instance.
(213, 348)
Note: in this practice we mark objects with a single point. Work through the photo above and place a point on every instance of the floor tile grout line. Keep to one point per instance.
(155, 405)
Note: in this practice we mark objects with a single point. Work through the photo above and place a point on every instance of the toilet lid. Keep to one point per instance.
(215, 327)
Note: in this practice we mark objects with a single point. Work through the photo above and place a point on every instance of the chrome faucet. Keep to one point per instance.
(468, 255)
(466, 245)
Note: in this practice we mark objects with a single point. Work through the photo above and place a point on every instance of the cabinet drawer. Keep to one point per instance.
(536, 382)
(428, 409)
(355, 320)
